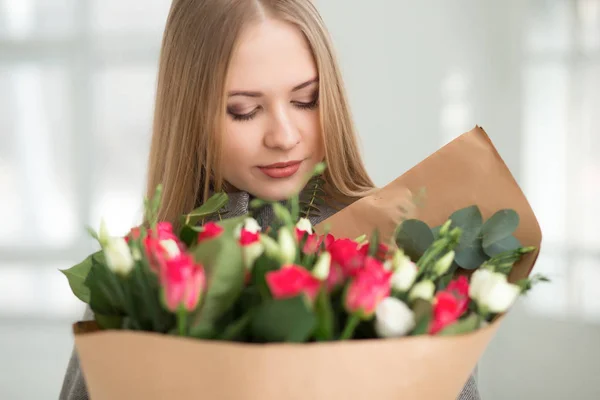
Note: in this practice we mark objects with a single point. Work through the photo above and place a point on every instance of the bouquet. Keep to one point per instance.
(269, 293)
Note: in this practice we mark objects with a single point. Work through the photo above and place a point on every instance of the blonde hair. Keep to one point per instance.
(199, 40)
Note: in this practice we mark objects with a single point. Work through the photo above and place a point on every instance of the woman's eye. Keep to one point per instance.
(237, 116)
(307, 105)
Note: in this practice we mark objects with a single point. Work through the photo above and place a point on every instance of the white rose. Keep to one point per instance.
(321, 268)
(118, 256)
(251, 253)
(393, 318)
(304, 224)
(443, 264)
(422, 290)
(287, 246)
(250, 225)
(404, 276)
(492, 291)
(171, 247)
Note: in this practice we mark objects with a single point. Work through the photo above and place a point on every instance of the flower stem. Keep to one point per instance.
(351, 325)
(182, 321)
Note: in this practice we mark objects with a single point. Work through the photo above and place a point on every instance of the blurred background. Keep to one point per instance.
(77, 80)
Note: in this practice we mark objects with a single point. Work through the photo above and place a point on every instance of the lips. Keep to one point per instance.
(281, 170)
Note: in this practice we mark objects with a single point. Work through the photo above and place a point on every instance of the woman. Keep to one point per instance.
(249, 100)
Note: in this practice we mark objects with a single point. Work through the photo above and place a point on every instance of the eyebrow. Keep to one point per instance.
(259, 94)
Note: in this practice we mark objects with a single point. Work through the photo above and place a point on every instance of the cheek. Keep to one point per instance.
(239, 143)
(312, 132)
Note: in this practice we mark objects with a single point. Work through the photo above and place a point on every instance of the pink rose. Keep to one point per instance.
(368, 288)
(182, 281)
(161, 245)
(292, 280)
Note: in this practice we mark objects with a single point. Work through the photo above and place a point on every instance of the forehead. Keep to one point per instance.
(271, 55)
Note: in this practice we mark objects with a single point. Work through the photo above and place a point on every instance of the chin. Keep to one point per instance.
(276, 192)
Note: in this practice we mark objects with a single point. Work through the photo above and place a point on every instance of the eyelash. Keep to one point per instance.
(247, 117)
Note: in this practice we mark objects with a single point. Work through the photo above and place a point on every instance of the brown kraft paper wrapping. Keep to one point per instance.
(133, 365)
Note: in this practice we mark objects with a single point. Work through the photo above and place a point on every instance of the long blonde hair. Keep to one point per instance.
(199, 40)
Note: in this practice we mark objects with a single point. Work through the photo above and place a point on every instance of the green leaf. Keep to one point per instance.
(464, 325)
(257, 203)
(500, 226)
(374, 244)
(106, 290)
(436, 232)
(509, 243)
(423, 316)
(188, 235)
(472, 256)
(325, 317)
(470, 221)
(414, 237)
(262, 266)
(109, 321)
(282, 213)
(236, 329)
(222, 259)
(211, 206)
(319, 169)
(469, 254)
(288, 320)
(148, 310)
(76, 276)
(295, 207)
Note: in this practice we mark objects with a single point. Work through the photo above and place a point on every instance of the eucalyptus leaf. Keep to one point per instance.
(76, 276)
(500, 226)
(470, 221)
(472, 256)
(465, 325)
(509, 243)
(287, 320)
(414, 237)
(436, 232)
(216, 202)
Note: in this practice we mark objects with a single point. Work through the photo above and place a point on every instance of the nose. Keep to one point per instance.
(282, 133)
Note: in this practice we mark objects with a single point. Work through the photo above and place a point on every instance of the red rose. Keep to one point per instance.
(460, 288)
(210, 230)
(292, 280)
(346, 255)
(368, 288)
(450, 304)
(380, 254)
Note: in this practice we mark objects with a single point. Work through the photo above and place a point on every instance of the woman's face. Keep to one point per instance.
(273, 135)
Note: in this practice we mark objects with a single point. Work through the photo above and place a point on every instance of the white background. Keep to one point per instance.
(77, 79)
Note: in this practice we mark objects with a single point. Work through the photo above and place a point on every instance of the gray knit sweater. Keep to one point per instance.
(74, 384)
